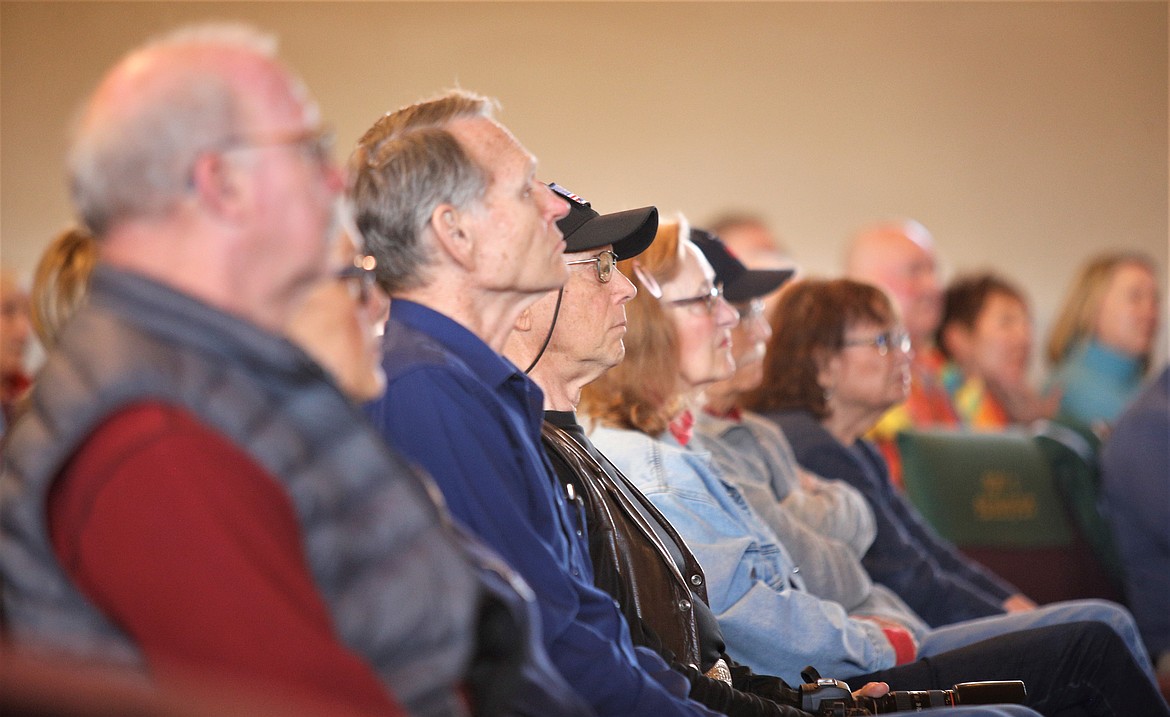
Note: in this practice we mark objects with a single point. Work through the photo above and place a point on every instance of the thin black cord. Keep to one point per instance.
(556, 313)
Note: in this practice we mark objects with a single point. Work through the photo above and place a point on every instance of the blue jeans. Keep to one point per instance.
(964, 633)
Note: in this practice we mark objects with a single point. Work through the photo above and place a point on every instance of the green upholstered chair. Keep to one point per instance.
(984, 489)
(1010, 501)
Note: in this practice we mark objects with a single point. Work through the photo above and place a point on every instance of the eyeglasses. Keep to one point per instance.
(316, 144)
(606, 261)
(884, 342)
(710, 299)
(646, 279)
(360, 277)
(751, 310)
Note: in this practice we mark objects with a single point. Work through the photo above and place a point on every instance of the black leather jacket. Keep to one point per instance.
(631, 564)
(629, 561)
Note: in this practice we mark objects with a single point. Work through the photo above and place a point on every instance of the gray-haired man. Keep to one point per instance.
(188, 492)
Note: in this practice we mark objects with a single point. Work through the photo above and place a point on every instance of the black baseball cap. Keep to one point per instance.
(630, 231)
(740, 283)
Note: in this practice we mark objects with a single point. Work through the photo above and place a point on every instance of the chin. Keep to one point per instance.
(558, 270)
(1142, 348)
(750, 373)
(616, 357)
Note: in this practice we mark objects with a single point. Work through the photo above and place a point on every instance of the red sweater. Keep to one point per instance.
(194, 550)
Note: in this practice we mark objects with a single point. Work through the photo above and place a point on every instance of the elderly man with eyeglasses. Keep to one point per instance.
(189, 494)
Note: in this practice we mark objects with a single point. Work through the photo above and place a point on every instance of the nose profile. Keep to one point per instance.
(726, 315)
(622, 286)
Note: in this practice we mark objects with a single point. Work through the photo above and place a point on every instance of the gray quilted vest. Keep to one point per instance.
(407, 590)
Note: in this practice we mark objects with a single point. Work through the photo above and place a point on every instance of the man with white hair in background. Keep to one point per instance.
(899, 256)
(189, 493)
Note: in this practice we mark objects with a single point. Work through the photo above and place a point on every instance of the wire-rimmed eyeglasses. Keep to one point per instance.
(710, 299)
(605, 260)
(316, 144)
(884, 341)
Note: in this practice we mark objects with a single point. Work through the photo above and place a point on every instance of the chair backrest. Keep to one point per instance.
(1072, 453)
(984, 489)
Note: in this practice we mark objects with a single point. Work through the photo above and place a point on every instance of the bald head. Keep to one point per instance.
(138, 136)
(900, 258)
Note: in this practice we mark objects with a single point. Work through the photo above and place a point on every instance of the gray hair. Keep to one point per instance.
(136, 160)
(404, 166)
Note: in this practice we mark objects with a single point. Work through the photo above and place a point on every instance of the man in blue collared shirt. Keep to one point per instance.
(466, 239)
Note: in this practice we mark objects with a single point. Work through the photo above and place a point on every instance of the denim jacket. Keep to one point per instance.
(771, 623)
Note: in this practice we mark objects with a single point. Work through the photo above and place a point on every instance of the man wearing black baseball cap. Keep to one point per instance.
(603, 241)
(744, 289)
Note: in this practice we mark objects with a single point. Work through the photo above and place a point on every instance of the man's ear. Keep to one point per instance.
(449, 225)
(217, 186)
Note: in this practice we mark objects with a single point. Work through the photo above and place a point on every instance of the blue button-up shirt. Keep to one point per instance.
(472, 419)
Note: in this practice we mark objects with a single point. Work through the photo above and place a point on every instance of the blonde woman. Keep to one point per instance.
(1101, 342)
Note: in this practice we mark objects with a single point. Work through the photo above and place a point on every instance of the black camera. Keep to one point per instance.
(833, 698)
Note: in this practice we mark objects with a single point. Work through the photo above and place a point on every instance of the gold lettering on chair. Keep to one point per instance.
(1002, 497)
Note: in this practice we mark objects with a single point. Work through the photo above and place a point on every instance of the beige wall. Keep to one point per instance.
(1027, 136)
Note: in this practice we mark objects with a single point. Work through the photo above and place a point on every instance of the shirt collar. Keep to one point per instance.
(682, 427)
(731, 415)
(565, 420)
(489, 366)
